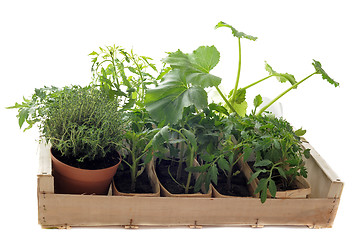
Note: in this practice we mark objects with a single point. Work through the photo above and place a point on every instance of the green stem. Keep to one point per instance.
(238, 73)
(263, 79)
(226, 101)
(282, 94)
(191, 163)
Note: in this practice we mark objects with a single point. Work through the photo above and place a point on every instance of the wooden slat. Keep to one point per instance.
(78, 210)
(324, 182)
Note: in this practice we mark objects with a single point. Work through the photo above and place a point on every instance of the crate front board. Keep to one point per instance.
(63, 210)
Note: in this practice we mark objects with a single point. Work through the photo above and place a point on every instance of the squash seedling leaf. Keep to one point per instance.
(235, 32)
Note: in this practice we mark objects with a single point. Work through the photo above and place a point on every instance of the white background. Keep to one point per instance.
(48, 42)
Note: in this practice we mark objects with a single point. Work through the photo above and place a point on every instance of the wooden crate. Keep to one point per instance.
(65, 210)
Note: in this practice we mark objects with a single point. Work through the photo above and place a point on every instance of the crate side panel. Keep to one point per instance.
(72, 210)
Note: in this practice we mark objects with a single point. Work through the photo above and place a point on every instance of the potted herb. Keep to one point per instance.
(85, 130)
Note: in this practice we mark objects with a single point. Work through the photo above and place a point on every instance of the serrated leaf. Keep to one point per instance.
(263, 163)
(281, 77)
(223, 164)
(272, 188)
(325, 76)
(235, 32)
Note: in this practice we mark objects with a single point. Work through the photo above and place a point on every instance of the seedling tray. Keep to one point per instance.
(65, 210)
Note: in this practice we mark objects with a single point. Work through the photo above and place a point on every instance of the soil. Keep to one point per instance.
(122, 180)
(281, 183)
(239, 186)
(111, 159)
(168, 182)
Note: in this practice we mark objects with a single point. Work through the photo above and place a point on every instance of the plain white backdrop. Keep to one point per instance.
(48, 42)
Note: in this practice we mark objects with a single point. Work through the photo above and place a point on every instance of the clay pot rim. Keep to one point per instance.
(85, 170)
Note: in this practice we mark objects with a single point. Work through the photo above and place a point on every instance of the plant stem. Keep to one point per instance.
(282, 94)
(226, 101)
(178, 173)
(191, 163)
(263, 79)
(238, 73)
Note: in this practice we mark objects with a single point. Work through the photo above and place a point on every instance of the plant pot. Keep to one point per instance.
(72, 180)
(249, 187)
(166, 193)
(150, 171)
(303, 187)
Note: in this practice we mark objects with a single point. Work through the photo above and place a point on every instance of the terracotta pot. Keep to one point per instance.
(72, 180)
(154, 181)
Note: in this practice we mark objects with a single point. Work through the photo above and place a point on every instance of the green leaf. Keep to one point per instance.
(307, 153)
(164, 132)
(235, 32)
(281, 77)
(199, 169)
(272, 187)
(205, 58)
(300, 132)
(240, 95)
(325, 76)
(223, 164)
(254, 175)
(258, 101)
(197, 65)
(263, 195)
(247, 152)
(213, 172)
(261, 185)
(281, 172)
(262, 163)
(23, 115)
(190, 136)
(167, 101)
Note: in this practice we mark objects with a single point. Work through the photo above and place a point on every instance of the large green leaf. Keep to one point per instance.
(167, 101)
(197, 65)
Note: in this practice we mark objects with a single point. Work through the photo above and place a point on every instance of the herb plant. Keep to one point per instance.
(83, 124)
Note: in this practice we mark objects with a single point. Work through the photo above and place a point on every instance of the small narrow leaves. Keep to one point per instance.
(235, 32)
(281, 77)
(325, 76)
